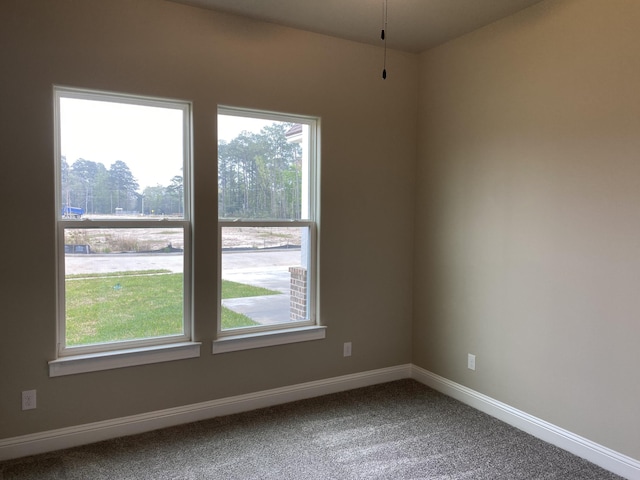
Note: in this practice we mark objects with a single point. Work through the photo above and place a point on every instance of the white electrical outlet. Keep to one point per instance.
(471, 362)
(28, 399)
(346, 351)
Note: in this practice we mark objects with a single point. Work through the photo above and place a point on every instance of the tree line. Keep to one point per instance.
(260, 175)
(98, 190)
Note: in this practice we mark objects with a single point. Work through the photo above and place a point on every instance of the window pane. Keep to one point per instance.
(265, 272)
(120, 160)
(123, 284)
(263, 169)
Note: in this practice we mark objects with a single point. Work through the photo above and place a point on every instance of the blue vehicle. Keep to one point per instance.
(72, 212)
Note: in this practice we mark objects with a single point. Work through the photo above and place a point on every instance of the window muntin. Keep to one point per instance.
(267, 208)
(123, 230)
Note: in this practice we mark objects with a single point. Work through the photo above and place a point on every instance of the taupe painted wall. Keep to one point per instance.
(528, 215)
(158, 48)
(526, 250)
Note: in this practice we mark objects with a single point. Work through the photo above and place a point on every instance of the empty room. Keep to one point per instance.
(378, 220)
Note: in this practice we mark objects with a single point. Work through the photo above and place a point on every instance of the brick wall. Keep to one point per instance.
(298, 293)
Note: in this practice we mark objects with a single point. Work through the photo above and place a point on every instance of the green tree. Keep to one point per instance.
(65, 185)
(102, 191)
(259, 175)
(83, 178)
(123, 186)
(155, 200)
(175, 192)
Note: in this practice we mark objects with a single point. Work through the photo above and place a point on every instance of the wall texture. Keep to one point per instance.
(158, 48)
(527, 223)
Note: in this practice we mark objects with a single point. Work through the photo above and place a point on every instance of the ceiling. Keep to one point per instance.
(412, 25)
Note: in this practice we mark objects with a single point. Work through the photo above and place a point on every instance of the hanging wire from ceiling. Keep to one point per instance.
(383, 37)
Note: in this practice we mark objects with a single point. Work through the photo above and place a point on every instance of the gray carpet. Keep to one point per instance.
(399, 430)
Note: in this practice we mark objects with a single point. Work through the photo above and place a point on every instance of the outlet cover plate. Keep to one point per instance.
(28, 400)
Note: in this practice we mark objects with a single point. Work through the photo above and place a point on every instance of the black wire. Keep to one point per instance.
(383, 36)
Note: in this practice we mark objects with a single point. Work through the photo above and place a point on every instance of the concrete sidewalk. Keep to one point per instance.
(266, 310)
(261, 269)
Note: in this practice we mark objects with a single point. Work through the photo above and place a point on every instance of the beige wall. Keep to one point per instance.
(158, 48)
(526, 250)
(528, 215)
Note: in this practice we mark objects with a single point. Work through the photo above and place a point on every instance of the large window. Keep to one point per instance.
(122, 215)
(267, 210)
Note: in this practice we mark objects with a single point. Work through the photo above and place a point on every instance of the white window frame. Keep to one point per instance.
(101, 356)
(287, 331)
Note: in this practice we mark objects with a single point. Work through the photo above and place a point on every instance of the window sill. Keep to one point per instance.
(95, 362)
(247, 341)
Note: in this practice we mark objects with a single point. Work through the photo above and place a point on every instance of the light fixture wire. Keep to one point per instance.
(383, 36)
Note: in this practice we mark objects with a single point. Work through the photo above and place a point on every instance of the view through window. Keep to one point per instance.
(122, 220)
(267, 174)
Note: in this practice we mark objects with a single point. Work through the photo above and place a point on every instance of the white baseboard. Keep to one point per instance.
(94, 432)
(51, 440)
(604, 457)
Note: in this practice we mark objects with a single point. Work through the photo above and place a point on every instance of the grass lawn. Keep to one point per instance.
(132, 305)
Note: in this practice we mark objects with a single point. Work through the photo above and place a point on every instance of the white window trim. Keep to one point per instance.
(95, 362)
(71, 360)
(312, 285)
(63, 350)
(283, 336)
(286, 332)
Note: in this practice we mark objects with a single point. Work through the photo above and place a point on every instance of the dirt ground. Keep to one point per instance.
(112, 240)
(260, 237)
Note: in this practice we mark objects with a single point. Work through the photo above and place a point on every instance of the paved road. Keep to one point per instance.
(268, 269)
(236, 262)
(122, 262)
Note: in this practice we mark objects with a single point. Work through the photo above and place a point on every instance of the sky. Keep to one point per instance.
(229, 127)
(147, 138)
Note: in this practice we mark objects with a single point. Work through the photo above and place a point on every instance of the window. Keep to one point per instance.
(123, 222)
(268, 214)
